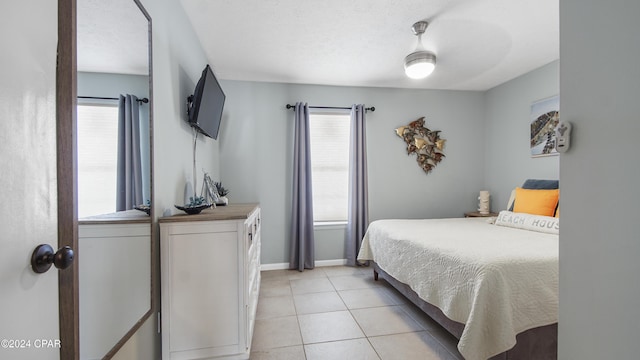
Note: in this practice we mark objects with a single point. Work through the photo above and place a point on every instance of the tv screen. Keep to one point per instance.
(204, 108)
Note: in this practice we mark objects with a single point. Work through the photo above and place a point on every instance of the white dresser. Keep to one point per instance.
(210, 277)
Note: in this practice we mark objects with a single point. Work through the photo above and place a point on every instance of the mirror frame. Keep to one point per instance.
(66, 92)
(152, 305)
(66, 124)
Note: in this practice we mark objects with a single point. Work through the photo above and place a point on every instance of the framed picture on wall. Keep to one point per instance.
(545, 116)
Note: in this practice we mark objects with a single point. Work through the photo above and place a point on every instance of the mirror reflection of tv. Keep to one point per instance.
(204, 107)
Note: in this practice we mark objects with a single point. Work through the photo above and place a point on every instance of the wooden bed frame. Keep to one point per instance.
(540, 343)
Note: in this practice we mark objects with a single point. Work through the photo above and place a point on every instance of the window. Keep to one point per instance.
(97, 158)
(329, 137)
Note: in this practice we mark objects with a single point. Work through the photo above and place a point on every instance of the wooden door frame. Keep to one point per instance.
(66, 92)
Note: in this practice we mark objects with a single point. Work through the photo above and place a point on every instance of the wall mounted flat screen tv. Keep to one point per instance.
(204, 107)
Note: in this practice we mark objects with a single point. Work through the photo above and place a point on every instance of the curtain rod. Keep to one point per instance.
(289, 106)
(144, 100)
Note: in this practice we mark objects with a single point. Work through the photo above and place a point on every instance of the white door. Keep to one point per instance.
(28, 193)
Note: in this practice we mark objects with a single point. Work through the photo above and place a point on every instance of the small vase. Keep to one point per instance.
(483, 204)
(223, 200)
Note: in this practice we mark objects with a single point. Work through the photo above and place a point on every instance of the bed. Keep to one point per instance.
(494, 287)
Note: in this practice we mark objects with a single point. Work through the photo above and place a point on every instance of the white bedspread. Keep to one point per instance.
(498, 281)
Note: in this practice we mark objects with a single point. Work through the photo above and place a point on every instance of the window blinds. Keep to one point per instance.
(329, 137)
(97, 159)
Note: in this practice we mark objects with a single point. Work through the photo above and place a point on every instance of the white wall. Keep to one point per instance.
(487, 148)
(178, 61)
(257, 141)
(600, 245)
(112, 85)
(508, 161)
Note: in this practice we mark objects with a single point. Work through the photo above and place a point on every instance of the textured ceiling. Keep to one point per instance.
(112, 37)
(479, 43)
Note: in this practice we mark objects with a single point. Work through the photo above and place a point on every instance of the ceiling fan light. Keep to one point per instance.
(419, 64)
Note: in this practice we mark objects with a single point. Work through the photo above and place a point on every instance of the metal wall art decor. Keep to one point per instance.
(425, 143)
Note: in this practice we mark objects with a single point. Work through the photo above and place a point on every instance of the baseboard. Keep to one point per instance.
(319, 263)
(336, 262)
(280, 266)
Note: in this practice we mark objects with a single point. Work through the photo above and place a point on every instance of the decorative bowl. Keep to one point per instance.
(191, 210)
(145, 208)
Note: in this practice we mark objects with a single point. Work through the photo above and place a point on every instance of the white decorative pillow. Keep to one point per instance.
(545, 224)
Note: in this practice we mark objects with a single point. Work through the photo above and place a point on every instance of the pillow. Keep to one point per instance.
(545, 224)
(540, 184)
(536, 202)
(533, 184)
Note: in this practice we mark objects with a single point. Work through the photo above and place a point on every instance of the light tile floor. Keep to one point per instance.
(340, 312)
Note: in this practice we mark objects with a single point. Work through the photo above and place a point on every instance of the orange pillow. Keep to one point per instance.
(536, 202)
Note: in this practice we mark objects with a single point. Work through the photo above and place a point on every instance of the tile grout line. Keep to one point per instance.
(304, 351)
(293, 298)
(363, 332)
(385, 292)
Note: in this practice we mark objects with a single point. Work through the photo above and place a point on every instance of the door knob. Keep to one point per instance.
(43, 257)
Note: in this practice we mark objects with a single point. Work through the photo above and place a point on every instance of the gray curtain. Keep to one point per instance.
(129, 175)
(358, 216)
(302, 251)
